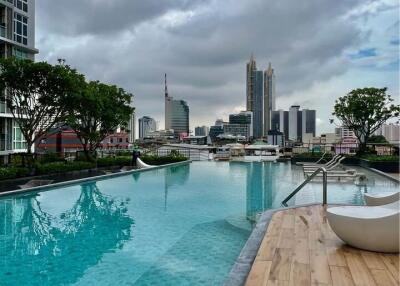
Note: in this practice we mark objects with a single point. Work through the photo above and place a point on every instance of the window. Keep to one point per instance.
(21, 4)
(20, 29)
(18, 139)
(19, 54)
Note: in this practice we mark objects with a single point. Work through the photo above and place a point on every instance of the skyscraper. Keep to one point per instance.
(17, 38)
(146, 125)
(269, 97)
(293, 123)
(301, 122)
(260, 97)
(132, 128)
(254, 96)
(176, 114)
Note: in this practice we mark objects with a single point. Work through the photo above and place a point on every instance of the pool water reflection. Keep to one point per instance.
(181, 225)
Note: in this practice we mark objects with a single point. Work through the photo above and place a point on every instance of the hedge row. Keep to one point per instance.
(61, 167)
(381, 158)
(161, 160)
(117, 161)
(13, 172)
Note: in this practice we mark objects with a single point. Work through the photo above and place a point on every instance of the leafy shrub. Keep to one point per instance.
(382, 158)
(8, 173)
(61, 167)
(13, 172)
(117, 161)
(162, 160)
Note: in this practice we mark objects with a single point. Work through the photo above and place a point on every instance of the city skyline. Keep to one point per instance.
(204, 45)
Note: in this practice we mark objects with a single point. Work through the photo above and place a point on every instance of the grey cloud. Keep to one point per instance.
(204, 56)
(76, 17)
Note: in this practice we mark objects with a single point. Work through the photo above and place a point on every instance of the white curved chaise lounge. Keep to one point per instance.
(142, 165)
(374, 228)
(381, 199)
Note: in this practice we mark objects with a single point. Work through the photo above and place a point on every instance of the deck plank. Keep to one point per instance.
(358, 269)
(300, 248)
(383, 278)
(259, 273)
(341, 276)
(300, 274)
(320, 272)
(280, 268)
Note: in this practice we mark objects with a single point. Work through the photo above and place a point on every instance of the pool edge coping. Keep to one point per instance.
(88, 179)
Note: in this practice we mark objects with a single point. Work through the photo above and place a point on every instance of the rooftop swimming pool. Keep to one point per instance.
(182, 225)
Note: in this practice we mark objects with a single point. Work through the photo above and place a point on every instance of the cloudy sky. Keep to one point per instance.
(320, 49)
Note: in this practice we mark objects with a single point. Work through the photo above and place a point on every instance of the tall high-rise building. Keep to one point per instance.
(176, 114)
(269, 97)
(251, 68)
(17, 38)
(254, 96)
(293, 123)
(260, 97)
(146, 125)
(301, 122)
(132, 128)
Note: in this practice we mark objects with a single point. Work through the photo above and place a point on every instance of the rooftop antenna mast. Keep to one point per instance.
(166, 88)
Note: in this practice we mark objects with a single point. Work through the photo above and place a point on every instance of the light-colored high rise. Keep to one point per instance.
(146, 126)
(17, 38)
(301, 123)
(390, 131)
(132, 128)
(176, 114)
(269, 97)
(294, 123)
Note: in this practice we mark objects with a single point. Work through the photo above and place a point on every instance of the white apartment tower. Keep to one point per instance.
(17, 39)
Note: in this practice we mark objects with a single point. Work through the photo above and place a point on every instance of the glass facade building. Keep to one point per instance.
(146, 126)
(260, 97)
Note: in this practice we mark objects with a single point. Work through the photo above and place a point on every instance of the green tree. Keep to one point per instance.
(36, 94)
(364, 110)
(96, 112)
(377, 139)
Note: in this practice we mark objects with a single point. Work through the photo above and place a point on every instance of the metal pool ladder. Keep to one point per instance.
(306, 181)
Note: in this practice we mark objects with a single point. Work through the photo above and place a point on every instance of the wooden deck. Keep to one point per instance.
(299, 248)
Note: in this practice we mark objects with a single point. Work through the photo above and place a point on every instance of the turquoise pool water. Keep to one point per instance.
(181, 225)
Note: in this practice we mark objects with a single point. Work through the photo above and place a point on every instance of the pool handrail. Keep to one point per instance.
(306, 181)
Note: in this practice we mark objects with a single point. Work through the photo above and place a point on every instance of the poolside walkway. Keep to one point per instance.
(299, 248)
